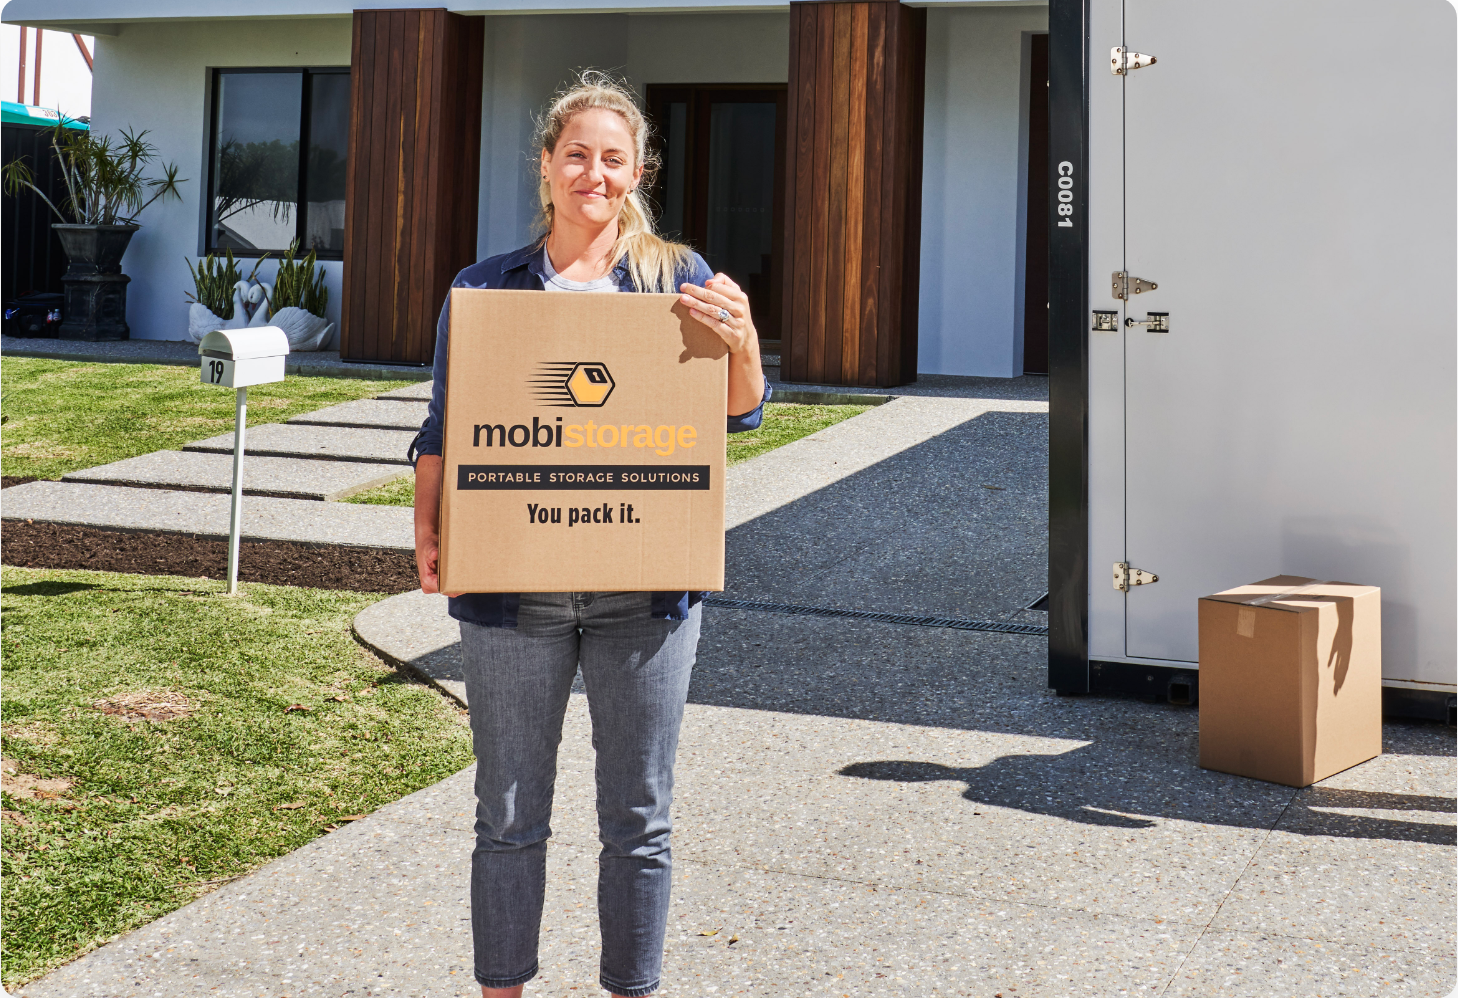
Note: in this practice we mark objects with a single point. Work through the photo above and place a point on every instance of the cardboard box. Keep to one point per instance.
(1290, 679)
(584, 445)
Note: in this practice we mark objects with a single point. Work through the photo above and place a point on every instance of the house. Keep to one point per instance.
(395, 143)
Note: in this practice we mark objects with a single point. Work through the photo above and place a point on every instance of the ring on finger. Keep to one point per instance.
(723, 315)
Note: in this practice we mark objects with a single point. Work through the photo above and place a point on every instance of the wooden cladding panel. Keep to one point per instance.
(852, 187)
(413, 177)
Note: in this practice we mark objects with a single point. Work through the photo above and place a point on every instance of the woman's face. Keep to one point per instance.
(592, 170)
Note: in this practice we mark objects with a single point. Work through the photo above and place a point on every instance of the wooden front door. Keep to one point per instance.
(721, 185)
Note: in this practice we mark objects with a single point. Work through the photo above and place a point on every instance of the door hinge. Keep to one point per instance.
(1124, 576)
(1126, 286)
(1123, 60)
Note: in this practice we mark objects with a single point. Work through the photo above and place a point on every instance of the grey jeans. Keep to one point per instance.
(636, 670)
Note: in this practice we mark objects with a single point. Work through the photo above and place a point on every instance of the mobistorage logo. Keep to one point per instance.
(572, 383)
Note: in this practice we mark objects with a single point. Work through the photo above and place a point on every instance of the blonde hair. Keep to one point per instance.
(653, 262)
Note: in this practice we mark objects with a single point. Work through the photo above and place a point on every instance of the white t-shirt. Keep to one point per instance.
(556, 282)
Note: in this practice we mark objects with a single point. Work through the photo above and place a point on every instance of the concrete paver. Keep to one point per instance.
(332, 443)
(383, 415)
(206, 514)
(287, 478)
(414, 631)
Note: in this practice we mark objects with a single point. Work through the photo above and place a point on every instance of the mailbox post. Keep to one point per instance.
(237, 358)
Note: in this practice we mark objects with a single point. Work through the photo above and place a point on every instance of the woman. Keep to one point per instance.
(521, 651)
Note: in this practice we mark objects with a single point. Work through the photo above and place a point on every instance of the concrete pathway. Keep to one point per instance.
(374, 413)
(877, 809)
(263, 475)
(110, 507)
(294, 474)
(328, 441)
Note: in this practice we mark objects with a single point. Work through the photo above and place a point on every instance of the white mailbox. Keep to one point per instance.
(237, 358)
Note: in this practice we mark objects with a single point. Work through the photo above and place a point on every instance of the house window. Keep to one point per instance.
(276, 162)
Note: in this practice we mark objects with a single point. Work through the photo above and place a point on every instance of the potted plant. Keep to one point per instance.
(295, 301)
(106, 189)
(220, 295)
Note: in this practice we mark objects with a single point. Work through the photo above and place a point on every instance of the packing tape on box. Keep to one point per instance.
(1288, 594)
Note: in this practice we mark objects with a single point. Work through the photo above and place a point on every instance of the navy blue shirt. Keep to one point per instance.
(522, 271)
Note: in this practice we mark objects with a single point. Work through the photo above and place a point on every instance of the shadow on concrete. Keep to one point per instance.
(1040, 784)
(956, 526)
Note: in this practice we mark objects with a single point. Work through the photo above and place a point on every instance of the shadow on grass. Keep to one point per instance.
(53, 588)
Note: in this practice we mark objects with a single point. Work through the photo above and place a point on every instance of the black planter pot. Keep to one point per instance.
(96, 289)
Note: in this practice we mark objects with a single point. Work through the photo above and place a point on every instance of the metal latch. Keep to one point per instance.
(1124, 576)
(1105, 321)
(1124, 285)
(1122, 60)
(1158, 322)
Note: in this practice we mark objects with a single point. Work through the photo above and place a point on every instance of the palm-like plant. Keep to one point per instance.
(298, 284)
(105, 181)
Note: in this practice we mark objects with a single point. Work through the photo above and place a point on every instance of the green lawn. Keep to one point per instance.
(268, 725)
(783, 423)
(61, 415)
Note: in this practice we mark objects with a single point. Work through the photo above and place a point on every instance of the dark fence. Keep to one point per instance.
(31, 258)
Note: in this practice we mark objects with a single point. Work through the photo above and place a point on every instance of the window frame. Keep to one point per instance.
(306, 93)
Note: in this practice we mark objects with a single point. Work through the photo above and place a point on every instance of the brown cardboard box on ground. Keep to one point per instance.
(584, 445)
(1290, 679)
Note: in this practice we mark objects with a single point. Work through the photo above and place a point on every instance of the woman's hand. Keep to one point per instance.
(429, 470)
(722, 306)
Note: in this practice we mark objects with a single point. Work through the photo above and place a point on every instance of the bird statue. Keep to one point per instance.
(261, 297)
(240, 311)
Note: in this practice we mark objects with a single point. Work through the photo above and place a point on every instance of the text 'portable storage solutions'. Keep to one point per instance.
(1290, 679)
(584, 445)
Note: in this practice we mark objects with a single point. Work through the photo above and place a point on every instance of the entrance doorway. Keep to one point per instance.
(721, 187)
(1035, 265)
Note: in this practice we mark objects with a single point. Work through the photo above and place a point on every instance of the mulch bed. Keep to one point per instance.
(54, 545)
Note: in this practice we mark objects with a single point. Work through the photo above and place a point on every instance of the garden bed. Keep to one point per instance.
(61, 545)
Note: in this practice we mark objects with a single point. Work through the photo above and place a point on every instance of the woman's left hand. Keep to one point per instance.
(724, 307)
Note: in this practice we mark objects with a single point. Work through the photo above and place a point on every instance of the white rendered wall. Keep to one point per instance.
(155, 76)
(741, 48)
(529, 56)
(973, 190)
